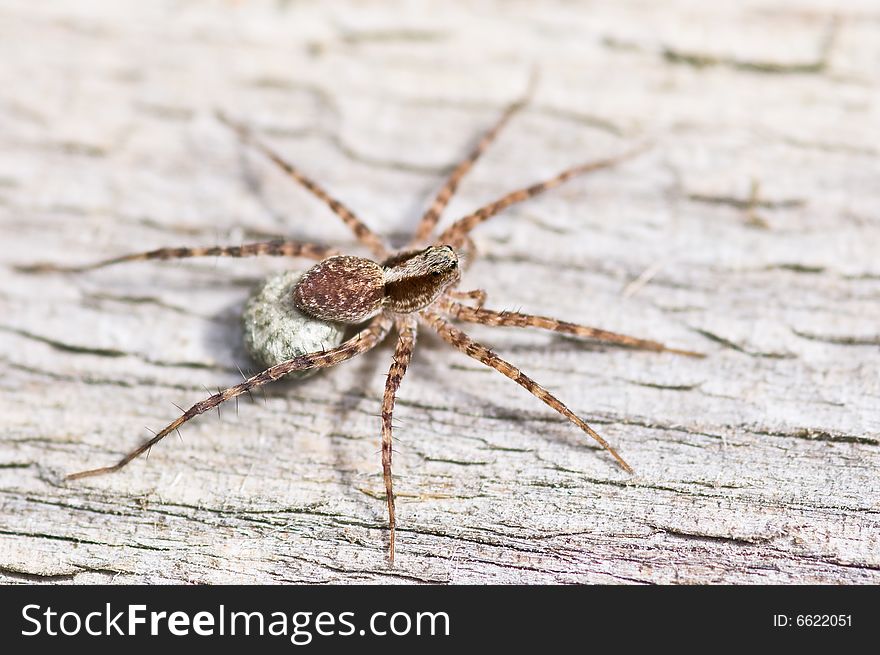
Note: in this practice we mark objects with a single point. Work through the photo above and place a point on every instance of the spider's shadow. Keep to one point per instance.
(558, 343)
(347, 401)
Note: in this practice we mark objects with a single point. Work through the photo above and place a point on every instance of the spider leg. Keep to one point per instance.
(430, 218)
(272, 248)
(477, 295)
(407, 329)
(515, 319)
(364, 234)
(481, 353)
(467, 252)
(456, 232)
(358, 344)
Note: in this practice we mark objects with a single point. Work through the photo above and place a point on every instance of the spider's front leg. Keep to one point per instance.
(430, 218)
(358, 344)
(458, 339)
(516, 319)
(457, 233)
(271, 248)
(407, 329)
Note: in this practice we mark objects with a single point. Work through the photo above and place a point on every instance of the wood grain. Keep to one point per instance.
(749, 231)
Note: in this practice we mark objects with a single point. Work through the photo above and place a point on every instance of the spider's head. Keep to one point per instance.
(415, 279)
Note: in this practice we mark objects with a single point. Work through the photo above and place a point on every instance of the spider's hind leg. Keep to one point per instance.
(363, 233)
(406, 342)
(271, 248)
(359, 343)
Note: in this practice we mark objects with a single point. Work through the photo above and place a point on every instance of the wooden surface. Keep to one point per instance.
(750, 231)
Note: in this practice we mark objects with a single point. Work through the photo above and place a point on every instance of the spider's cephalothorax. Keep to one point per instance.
(413, 280)
(417, 286)
(349, 289)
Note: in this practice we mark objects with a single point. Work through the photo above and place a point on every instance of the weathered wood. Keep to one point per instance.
(749, 231)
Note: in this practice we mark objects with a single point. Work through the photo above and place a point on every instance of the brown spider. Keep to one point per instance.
(401, 289)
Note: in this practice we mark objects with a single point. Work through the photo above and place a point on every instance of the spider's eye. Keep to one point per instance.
(436, 273)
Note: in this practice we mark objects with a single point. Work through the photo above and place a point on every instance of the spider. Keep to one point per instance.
(403, 290)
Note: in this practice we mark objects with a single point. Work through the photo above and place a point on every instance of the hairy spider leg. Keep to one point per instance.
(477, 295)
(363, 341)
(516, 319)
(403, 352)
(454, 235)
(458, 339)
(271, 248)
(430, 217)
(364, 234)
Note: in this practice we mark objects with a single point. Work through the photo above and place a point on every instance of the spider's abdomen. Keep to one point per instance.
(344, 289)
(276, 331)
